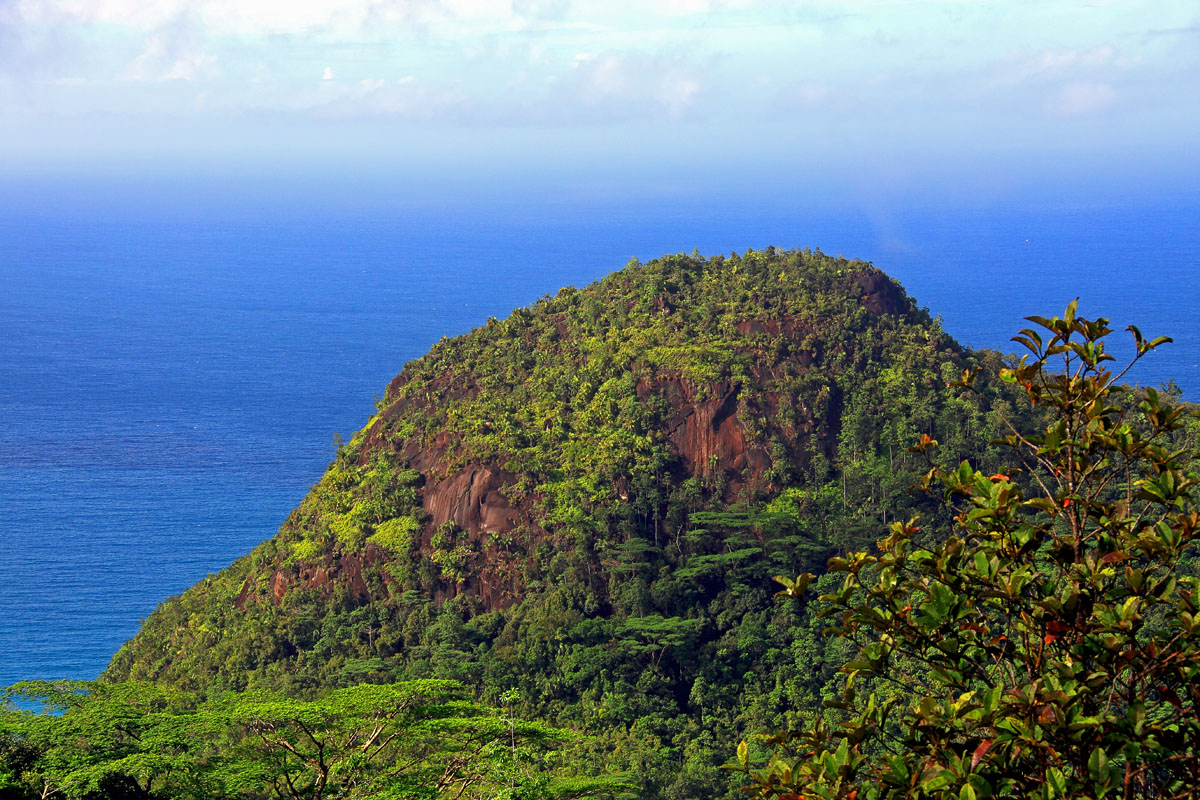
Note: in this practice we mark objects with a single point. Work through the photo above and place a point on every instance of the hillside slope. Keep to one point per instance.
(586, 501)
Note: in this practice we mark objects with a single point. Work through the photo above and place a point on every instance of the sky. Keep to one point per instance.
(940, 93)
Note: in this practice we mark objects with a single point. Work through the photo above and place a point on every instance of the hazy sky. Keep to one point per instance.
(666, 85)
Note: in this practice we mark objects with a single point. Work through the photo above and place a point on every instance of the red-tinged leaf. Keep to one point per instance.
(1057, 627)
(980, 752)
(999, 476)
(1169, 695)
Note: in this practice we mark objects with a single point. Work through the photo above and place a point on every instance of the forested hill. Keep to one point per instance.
(586, 501)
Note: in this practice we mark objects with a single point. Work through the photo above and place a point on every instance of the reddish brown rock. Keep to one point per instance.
(471, 498)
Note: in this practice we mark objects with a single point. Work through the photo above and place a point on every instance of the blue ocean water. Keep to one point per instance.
(171, 376)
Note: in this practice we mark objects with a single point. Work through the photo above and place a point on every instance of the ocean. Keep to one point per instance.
(172, 375)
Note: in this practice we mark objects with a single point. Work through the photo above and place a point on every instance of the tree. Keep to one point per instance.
(111, 740)
(1050, 646)
(417, 740)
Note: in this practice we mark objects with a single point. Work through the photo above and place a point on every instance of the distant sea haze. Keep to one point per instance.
(171, 380)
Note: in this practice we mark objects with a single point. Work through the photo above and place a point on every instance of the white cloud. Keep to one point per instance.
(1079, 98)
(542, 9)
(566, 62)
(684, 7)
(1066, 81)
(631, 85)
(331, 17)
(607, 87)
(1054, 63)
(272, 17)
(805, 96)
(405, 99)
(172, 53)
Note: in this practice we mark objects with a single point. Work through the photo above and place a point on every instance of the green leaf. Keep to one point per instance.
(1057, 782)
(1098, 765)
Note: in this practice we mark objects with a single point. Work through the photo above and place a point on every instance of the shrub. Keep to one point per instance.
(1050, 647)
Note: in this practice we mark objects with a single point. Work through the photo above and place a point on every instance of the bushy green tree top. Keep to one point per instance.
(417, 740)
(1050, 647)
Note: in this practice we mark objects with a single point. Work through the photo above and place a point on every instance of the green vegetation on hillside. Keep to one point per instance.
(1050, 646)
(585, 504)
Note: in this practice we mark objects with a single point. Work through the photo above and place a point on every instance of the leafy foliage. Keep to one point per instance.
(662, 442)
(415, 740)
(1050, 647)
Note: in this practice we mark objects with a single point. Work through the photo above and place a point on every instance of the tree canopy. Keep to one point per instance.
(1050, 646)
(419, 740)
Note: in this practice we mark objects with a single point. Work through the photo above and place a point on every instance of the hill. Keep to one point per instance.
(586, 501)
